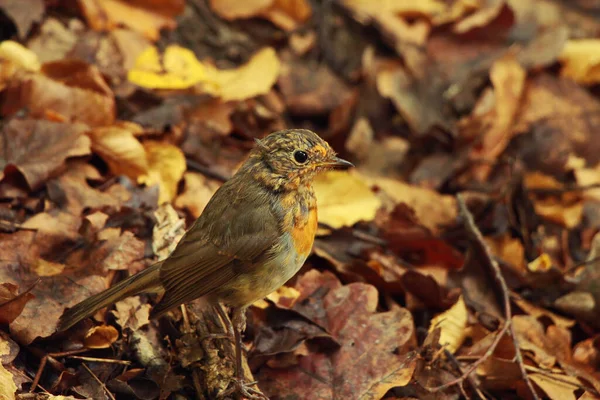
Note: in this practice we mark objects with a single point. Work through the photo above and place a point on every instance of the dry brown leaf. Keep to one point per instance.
(565, 209)
(431, 208)
(508, 79)
(197, 192)
(557, 386)
(510, 250)
(287, 14)
(368, 9)
(344, 198)
(178, 68)
(452, 324)
(100, 337)
(23, 13)
(167, 231)
(581, 60)
(55, 40)
(373, 356)
(166, 165)
(531, 338)
(79, 97)
(72, 193)
(37, 149)
(538, 312)
(12, 302)
(120, 149)
(106, 15)
(130, 313)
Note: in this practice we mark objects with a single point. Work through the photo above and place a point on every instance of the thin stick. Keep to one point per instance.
(477, 239)
(99, 381)
(101, 360)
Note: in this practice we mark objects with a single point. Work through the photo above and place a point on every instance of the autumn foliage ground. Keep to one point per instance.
(460, 259)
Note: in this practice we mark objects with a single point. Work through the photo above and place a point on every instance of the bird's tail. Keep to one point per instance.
(144, 281)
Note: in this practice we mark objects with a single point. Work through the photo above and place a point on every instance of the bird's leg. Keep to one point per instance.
(240, 385)
(228, 334)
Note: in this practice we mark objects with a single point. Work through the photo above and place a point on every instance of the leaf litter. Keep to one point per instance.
(118, 122)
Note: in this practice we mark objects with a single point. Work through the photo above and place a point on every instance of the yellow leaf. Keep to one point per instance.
(166, 165)
(19, 55)
(7, 385)
(48, 268)
(121, 151)
(254, 78)
(180, 69)
(452, 324)
(581, 60)
(344, 199)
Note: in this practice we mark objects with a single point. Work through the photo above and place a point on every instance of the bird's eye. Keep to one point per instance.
(300, 156)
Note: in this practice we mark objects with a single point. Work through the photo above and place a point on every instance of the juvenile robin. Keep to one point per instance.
(253, 235)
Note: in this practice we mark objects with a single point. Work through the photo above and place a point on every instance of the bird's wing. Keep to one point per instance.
(232, 234)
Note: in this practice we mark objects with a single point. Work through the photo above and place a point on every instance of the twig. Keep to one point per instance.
(99, 381)
(470, 379)
(52, 358)
(477, 239)
(101, 360)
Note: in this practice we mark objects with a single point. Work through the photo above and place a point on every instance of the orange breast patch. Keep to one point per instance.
(303, 234)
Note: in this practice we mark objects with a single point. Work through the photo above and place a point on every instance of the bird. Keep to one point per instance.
(254, 234)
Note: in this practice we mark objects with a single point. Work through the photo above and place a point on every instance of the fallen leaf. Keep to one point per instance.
(344, 198)
(23, 14)
(581, 61)
(197, 191)
(452, 324)
(166, 165)
(20, 56)
(42, 95)
(120, 149)
(130, 313)
(508, 79)
(167, 232)
(538, 312)
(71, 191)
(287, 14)
(432, 209)
(373, 356)
(409, 93)
(310, 88)
(415, 243)
(556, 386)
(100, 337)
(365, 8)
(12, 302)
(531, 337)
(180, 69)
(37, 149)
(106, 15)
(8, 387)
(54, 40)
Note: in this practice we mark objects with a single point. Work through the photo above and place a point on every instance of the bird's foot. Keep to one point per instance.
(244, 389)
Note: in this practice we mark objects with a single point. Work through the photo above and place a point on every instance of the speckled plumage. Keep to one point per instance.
(254, 234)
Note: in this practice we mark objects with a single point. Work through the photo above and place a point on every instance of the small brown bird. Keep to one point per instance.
(254, 235)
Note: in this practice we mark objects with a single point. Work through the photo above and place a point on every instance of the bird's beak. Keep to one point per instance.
(339, 163)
